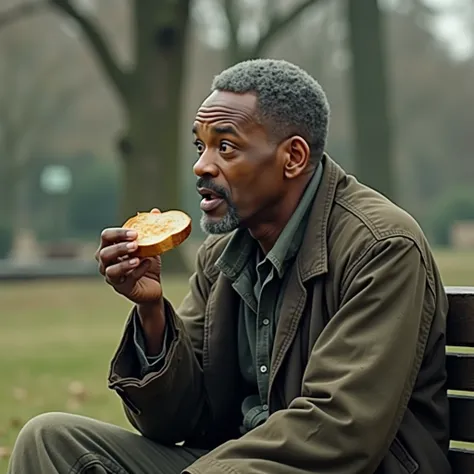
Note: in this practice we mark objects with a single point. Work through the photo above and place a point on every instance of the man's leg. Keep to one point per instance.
(70, 444)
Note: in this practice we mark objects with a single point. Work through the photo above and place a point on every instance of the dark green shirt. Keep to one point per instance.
(260, 281)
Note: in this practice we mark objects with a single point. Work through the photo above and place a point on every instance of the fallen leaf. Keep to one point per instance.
(16, 422)
(77, 390)
(72, 404)
(5, 452)
(20, 393)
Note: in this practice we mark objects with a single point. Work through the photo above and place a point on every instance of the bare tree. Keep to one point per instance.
(249, 27)
(35, 100)
(150, 89)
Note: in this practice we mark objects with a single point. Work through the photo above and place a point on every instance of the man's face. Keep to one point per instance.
(239, 173)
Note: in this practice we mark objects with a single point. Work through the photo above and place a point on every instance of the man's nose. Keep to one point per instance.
(206, 165)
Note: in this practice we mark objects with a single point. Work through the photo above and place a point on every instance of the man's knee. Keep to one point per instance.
(46, 429)
(52, 442)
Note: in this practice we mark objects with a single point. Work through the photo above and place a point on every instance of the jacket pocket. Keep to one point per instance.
(409, 464)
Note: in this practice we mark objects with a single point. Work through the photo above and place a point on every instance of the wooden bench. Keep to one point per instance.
(460, 367)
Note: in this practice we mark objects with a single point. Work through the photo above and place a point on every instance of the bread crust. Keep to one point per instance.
(159, 232)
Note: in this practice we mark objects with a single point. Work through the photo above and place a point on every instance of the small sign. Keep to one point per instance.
(56, 179)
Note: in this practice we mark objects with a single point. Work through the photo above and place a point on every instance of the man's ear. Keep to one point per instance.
(296, 156)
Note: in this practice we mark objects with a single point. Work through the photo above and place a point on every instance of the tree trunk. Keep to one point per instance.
(373, 141)
(150, 148)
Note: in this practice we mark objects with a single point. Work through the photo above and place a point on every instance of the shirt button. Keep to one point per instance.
(266, 322)
(263, 369)
(265, 407)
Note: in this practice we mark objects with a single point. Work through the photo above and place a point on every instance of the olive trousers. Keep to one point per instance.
(59, 443)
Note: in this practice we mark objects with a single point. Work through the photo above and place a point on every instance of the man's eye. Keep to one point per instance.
(226, 147)
(199, 147)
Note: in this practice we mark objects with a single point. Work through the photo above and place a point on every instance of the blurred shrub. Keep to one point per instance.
(455, 205)
(94, 201)
(91, 204)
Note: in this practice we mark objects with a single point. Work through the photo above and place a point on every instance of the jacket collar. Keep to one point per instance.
(312, 258)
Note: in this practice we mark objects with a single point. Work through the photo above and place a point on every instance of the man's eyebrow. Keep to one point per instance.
(225, 130)
(219, 130)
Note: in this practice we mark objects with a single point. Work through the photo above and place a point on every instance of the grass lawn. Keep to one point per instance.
(56, 340)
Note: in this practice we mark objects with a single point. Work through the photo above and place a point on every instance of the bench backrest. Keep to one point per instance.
(460, 367)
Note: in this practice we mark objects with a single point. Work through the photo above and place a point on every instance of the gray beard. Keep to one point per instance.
(228, 223)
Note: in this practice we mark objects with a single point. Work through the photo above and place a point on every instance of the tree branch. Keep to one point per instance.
(117, 76)
(233, 20)
(278, 23)
(20, 11)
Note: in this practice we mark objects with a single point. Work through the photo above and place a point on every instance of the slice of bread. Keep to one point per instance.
(159, 232)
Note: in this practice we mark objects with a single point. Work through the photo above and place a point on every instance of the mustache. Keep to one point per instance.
(215, 188)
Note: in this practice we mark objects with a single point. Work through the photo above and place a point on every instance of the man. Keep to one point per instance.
(312, 338)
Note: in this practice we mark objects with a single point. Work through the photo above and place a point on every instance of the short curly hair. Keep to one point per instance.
(290, 101)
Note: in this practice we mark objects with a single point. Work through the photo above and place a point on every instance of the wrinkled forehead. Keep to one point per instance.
(246, 100)
(239, 110)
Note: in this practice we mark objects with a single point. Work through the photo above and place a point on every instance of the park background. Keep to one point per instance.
(97, 99)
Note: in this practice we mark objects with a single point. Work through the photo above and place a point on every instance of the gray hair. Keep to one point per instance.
(290, 101)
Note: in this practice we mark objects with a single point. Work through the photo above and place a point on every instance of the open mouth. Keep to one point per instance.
(210, 200)
(210, 196)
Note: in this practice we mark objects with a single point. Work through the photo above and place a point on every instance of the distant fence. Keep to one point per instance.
(60, 268)
(48, 269)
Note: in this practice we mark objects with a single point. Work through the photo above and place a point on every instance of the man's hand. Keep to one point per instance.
(136, 279)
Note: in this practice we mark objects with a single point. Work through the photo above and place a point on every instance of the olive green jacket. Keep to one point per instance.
(357, 380)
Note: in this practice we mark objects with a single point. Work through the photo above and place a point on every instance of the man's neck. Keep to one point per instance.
(269, 228)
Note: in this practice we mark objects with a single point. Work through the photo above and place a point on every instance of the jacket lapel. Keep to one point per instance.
(311, 262)
(292, 308)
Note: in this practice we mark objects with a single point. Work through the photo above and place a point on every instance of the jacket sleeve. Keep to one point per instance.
(358, 380)
(148, 363)
(167, 402)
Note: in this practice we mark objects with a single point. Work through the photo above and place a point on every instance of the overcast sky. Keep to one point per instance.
(456, 25)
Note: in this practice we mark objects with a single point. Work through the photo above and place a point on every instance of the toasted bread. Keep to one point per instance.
(159, 232)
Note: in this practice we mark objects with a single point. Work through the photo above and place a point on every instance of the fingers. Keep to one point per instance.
(109, 255)
(155, 211)
(116, 234)
(113, 244)
(114, 254)
(126, 272)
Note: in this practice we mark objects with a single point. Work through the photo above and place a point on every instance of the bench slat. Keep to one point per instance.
(461, 418)
(460, 369)
(461, 460)
(460, 322)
